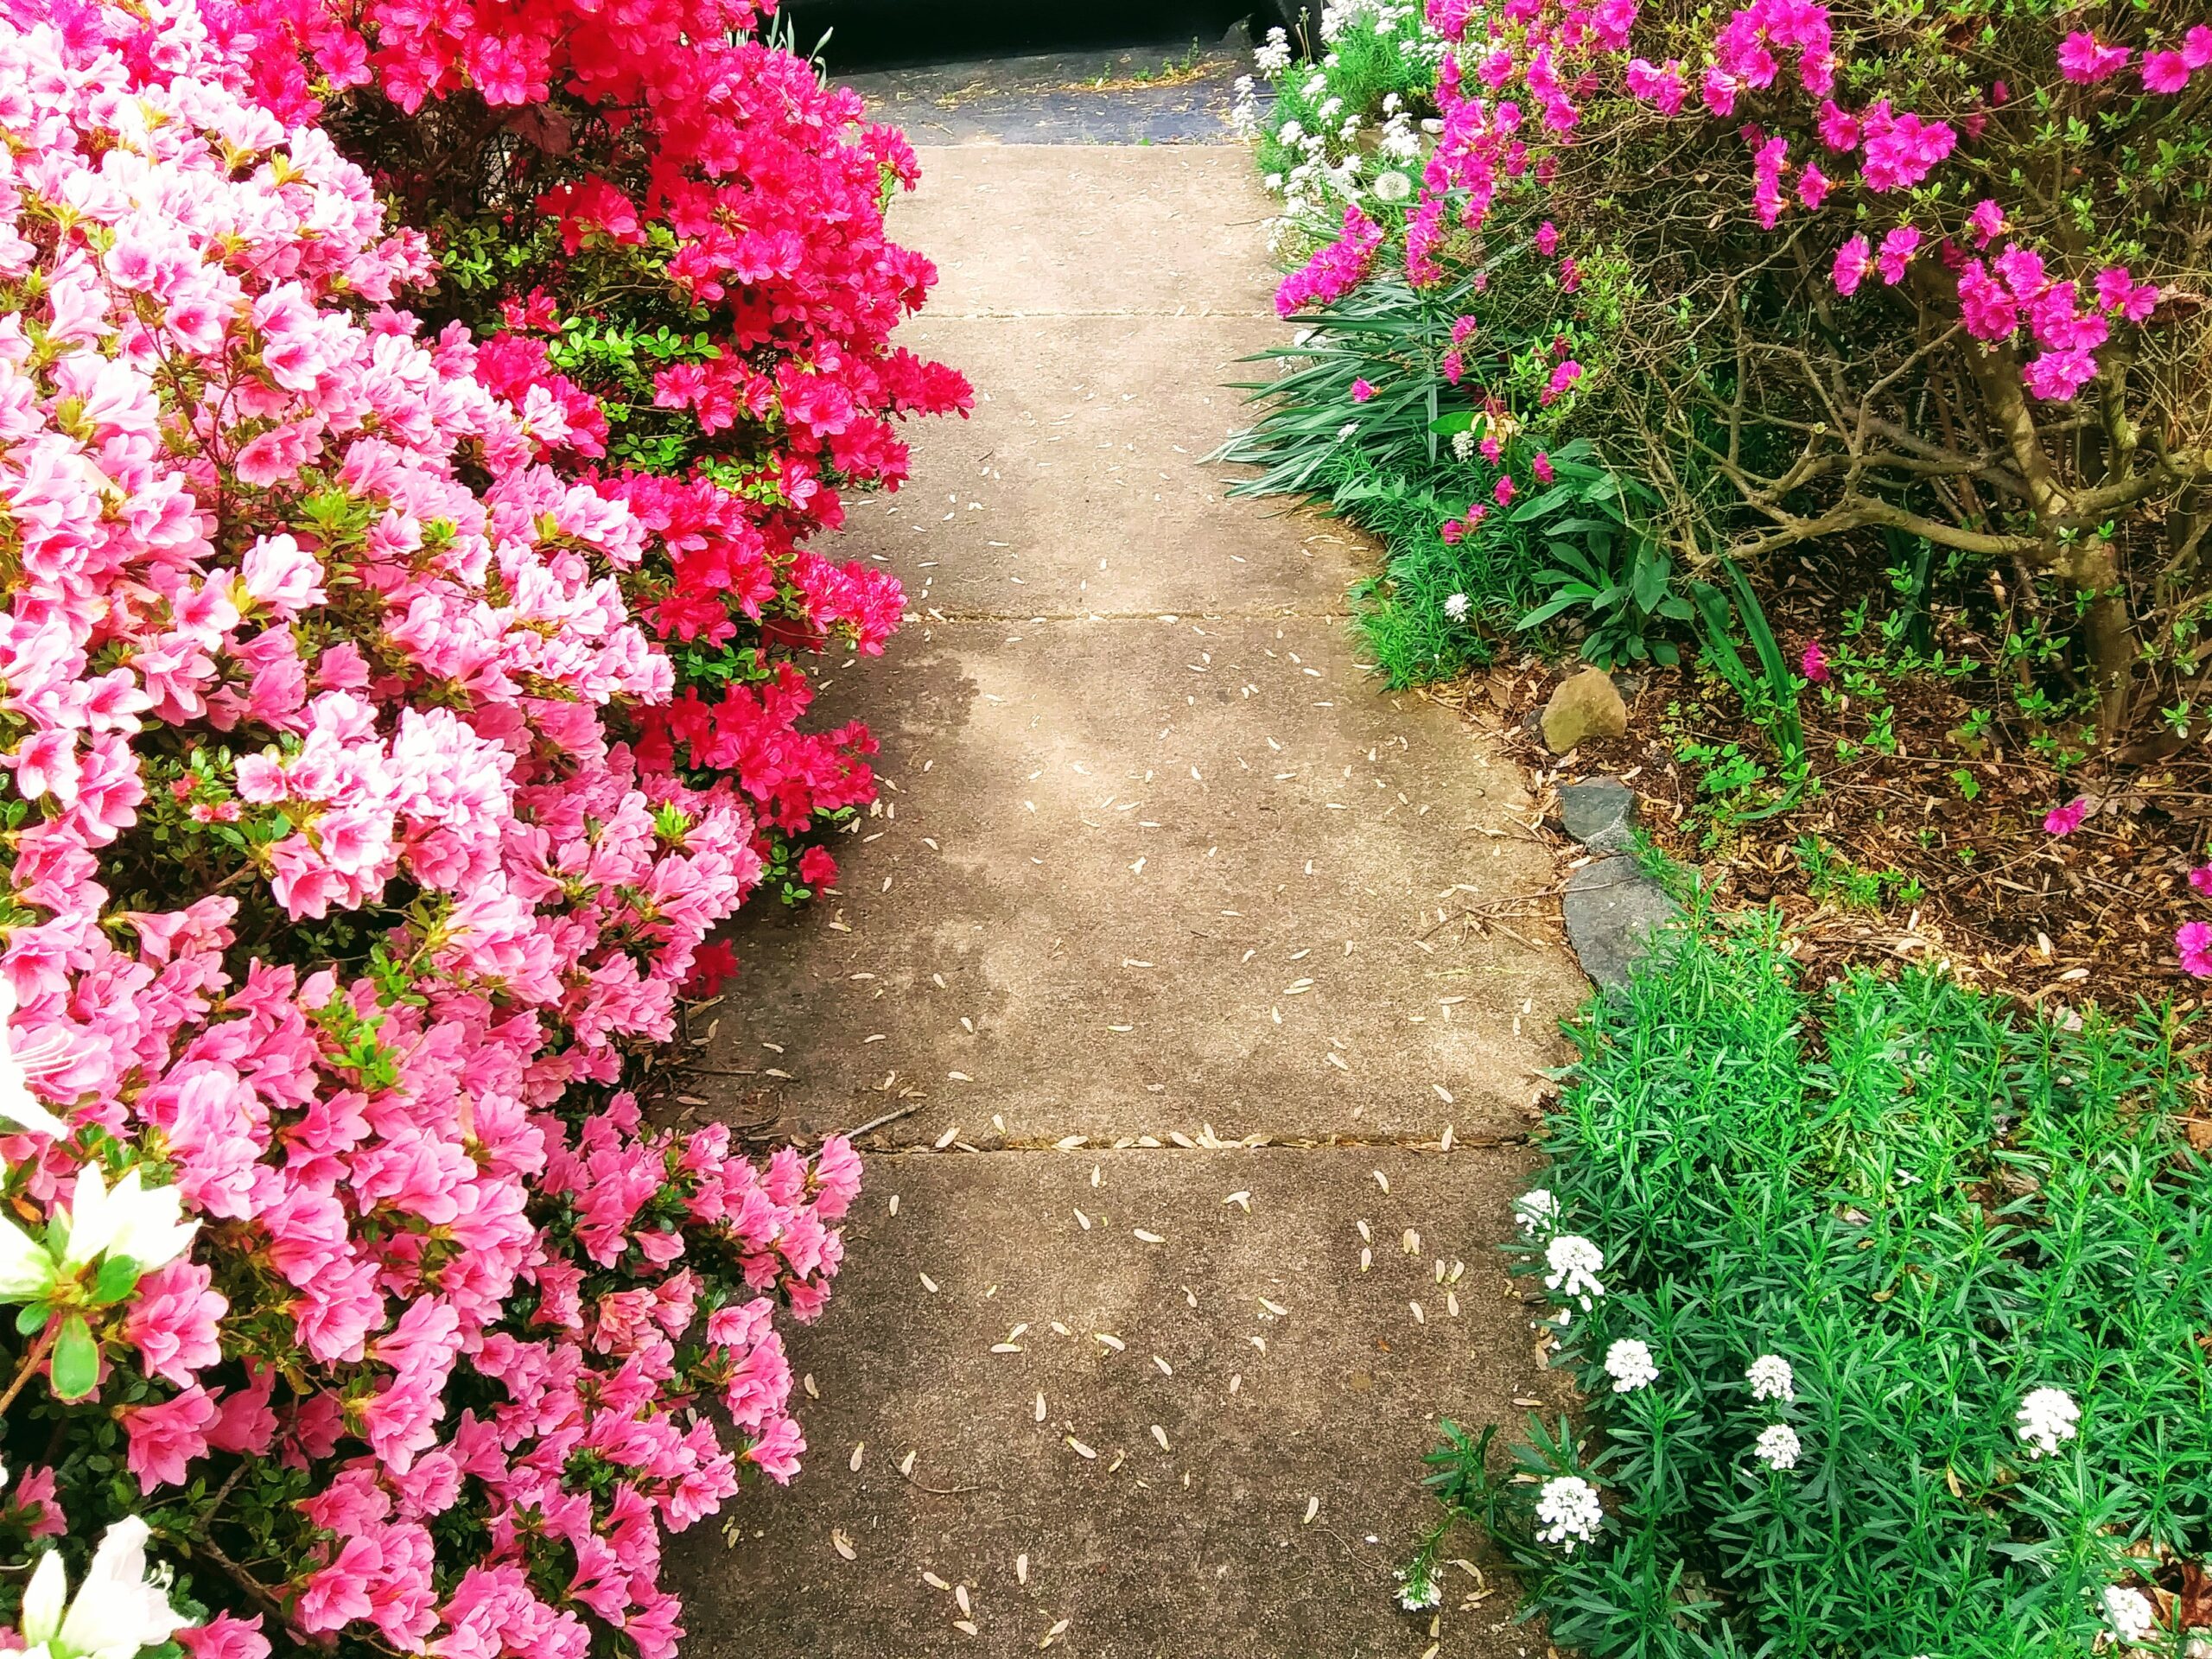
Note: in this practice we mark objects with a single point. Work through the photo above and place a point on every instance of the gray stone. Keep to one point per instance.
(1583, 706)
(1610, 910)
(1600, 814)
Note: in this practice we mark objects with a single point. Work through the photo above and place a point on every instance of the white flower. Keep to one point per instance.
(1455, 607)
(1463, 445)
(1629, 1363)
(1568, 1512)
(2129, 1612)
(2048, 1417)
(26, 1270)
(1417, 1594)
(1772, 1378)
(1392, 185)
(1272, 59)
(1574, 1263)
(1347, 428)
(146, 1224)
(1289, 133)
(18, 1105)
(1535, 1211)
(119, 1610)
(1777, 1446)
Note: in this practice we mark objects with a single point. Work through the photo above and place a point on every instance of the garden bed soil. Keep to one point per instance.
(1979, 884)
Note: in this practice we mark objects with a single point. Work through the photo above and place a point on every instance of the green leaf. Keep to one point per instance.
(1548, 609)
(118, 1277)
(31, 1319)
(76, 1360)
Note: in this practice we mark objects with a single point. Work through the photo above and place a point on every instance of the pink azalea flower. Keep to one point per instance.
(166, 1436)
(2065, 820)
(1987, 221)
(2085, 62)
(1898, 249)
(2193, 943)
(2166, 73)
(1851, 263)
(1813, 664)
(224, 1638)
(1542, 466)
(2200, 878)
(1361, 390)
(1502, 494)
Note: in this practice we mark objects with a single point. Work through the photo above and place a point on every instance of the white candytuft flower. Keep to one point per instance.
(1536, 1211)
(1455, 607)
(1772, 1378)
(2048, 1418)
(1272, 59)
(1777, 1446)
(1417, 1593)
(1575, 1263)
(2129, 1612)
(1568, 1512)
(1629, 1363)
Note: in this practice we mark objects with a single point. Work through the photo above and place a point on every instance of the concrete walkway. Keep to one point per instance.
(1213, 1103)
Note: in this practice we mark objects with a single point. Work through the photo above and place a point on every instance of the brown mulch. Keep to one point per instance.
(2087, 917)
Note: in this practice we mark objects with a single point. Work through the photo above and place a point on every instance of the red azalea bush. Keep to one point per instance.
(1822, 272)
(358, 828)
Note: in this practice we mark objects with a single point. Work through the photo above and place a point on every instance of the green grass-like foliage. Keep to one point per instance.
(1929, 1204)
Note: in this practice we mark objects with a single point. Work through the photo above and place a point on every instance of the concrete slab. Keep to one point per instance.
(1133, 876)
(1155, 854)
(1057, 229)
(1198, 1548)
(1080, 483)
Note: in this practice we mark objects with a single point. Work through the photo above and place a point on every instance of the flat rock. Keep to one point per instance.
(1583, 706)
(1600, 813)
(1197, 1547)
(1611, 908)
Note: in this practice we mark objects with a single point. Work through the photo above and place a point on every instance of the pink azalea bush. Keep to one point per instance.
(349, 854)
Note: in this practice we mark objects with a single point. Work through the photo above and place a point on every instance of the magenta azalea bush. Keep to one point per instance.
(1815, 272)
(366, 814)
